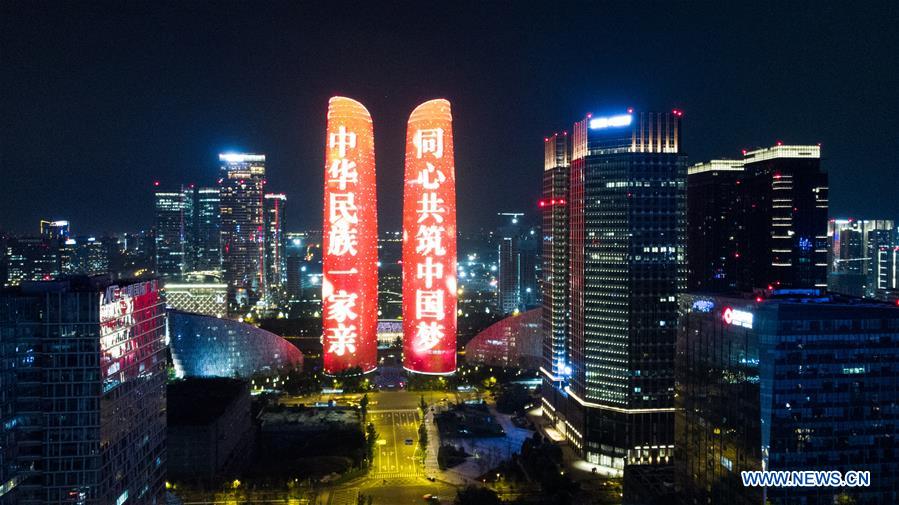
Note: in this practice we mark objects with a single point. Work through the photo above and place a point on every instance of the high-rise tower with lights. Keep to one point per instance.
(241, 189)
(626, 217)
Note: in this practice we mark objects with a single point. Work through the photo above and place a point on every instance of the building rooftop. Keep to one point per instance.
(199, 401)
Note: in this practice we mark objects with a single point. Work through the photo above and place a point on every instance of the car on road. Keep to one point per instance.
(408, 441)
(430, 498)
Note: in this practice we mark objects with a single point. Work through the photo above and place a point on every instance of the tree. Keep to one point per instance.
(423, 436)
(423, 405)
(477, 496)
(363, 406)
(371, 437)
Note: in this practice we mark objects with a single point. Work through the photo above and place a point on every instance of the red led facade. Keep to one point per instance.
(349, 240)
(429, 242)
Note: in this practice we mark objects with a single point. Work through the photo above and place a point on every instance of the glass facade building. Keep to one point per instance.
(797, 381)
(715, 226)
(627, 225)
(275, 264)
(204, 346)
(786, 205)
(174, 227)
(207, 239)
(83, 396)
(241, 189)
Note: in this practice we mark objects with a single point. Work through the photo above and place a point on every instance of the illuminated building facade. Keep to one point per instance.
(429, 242)
(174, 225)
(203, 296)
(786, 217)
(275, 264)
(84, 255)
(853, 254)
(797, 381)
(55, 230)
(206, 346)
(350, 240)
(31, 259)
(555, 311)
(516, 341)
(627, 264)
(207, 244)
(83, 363)
(715, 226)
(241, 189)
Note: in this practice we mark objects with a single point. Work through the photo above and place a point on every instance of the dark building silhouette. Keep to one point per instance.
(716, 229)
(786, 218)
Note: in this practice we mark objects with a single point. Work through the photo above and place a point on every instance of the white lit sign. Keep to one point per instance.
(737, 317)
(611, 121)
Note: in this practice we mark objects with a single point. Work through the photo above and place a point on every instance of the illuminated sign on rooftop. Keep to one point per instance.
(737, 317)
(611, 121)
(240, 158)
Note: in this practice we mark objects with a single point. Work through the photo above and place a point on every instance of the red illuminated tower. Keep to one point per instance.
(350, 240)
(429, 242)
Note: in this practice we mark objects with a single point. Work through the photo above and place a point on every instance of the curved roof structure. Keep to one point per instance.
(514, 341)
(205, 346)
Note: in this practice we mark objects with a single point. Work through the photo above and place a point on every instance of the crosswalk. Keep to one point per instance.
(343, 497)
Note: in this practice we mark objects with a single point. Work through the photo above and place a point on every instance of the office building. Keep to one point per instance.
(508, 276)
(83, 368)
(790, 381)
(207, 237)
(853, 254)
(31, 259)
(85, 256)
(786, 212)
(241, 189)
(174, 226)
(275, 265)
(627, 226)
(715, 226)
(555, 313)
(54, 230)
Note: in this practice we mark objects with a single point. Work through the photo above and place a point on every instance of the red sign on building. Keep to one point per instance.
(350, 240)
(429, 242)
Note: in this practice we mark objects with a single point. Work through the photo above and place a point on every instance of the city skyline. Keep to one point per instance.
(159, 105)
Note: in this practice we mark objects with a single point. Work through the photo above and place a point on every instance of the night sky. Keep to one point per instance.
(98, 100)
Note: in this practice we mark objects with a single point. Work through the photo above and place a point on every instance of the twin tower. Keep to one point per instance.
(350, 241)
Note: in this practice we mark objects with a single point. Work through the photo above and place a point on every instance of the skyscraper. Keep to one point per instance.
(786, 217)
(715, 225)
(207, 242)
(55, 230)
(350, 240)
(508, 275)
(853, 254)
(429, 241)
(174, 225)
(241, 188)
(275, 261)
(31, 259)
(83, 403)
(554, 205)
(627, 265)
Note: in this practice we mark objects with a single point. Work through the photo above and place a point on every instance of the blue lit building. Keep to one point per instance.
(205, 346)
(797, 381)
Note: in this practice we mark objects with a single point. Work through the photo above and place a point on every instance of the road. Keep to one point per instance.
(394, 457)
